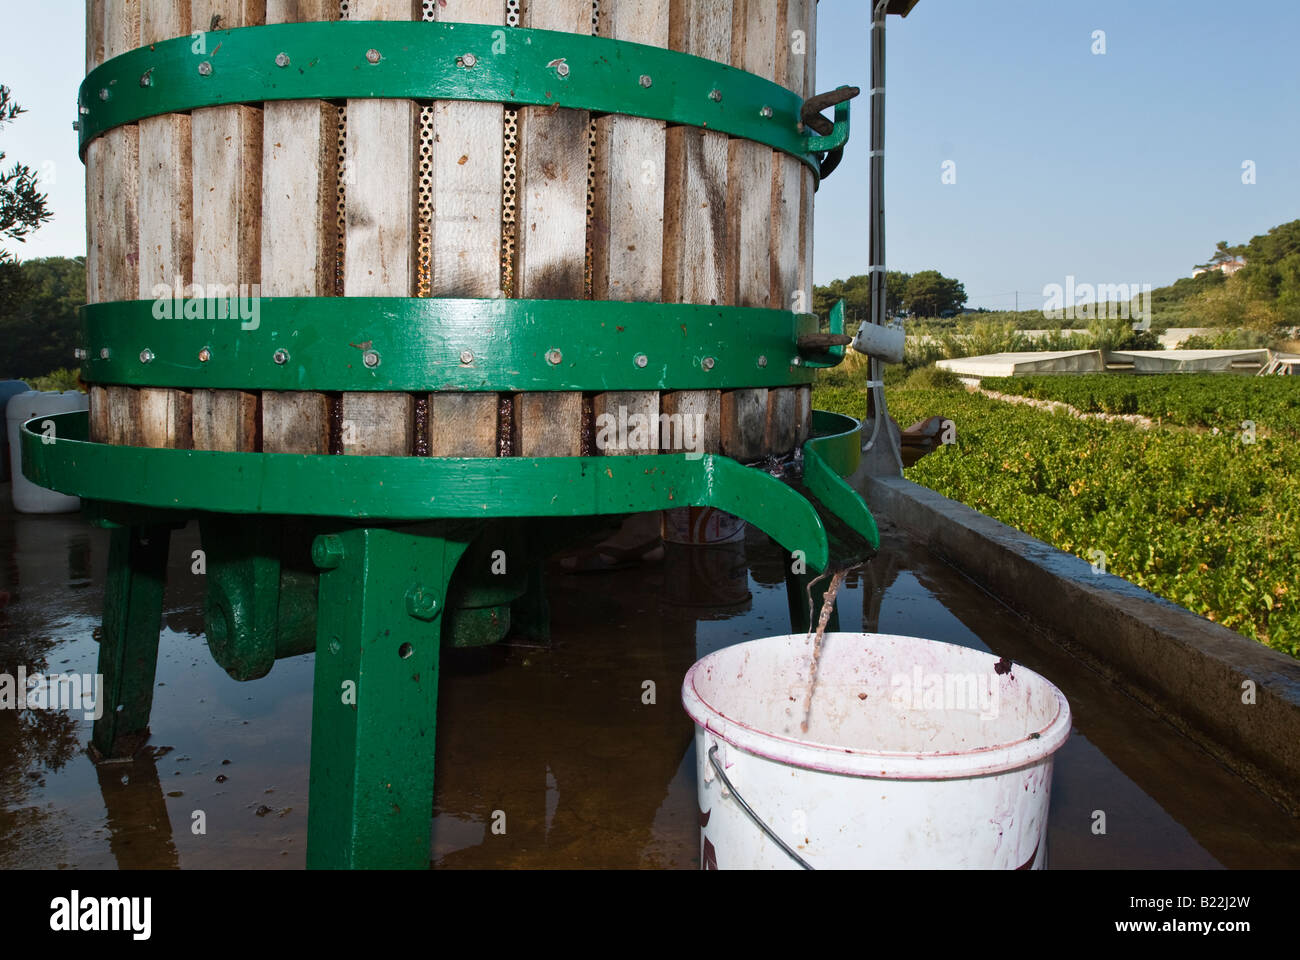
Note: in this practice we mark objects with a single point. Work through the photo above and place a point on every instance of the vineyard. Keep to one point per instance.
(1212, 401)
(1209, 520)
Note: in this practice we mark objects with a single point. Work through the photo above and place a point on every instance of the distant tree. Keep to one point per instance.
(39, 327)
(857, 298)
(931, 294)
(856, 294)
(22, 205)
(826, 296)
(896, 291)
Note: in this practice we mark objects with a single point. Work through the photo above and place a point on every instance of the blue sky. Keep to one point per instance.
(1119, 168)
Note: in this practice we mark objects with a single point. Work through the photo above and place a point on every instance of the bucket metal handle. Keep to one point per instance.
(717, 767)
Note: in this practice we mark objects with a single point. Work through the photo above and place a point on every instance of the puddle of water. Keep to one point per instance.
(573, 755)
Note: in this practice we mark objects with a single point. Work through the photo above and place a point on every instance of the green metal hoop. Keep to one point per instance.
(418, 343)
(446, 61)
(57, 455)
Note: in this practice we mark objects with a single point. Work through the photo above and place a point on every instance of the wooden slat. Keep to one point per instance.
(299, 423)
(381, 236)
(94, 34)
(378, 424)
(226, 149)
(633, 408)
(749, 231)
(788, 175)
(787, 172)
(299, 241)
(116, 180)
(704, 410)
(548, 425)
(695, 202)
(627, 230)
(807, 191)
(123, 416)
(165, 418)
(227, 420)
(117, 212)
(803, 414)
(807, 188)
(95, 152)
(782, 427)
(94, 179)
(98, 414)
(465, 235)
(166, 225)
(744, 423)
(463, 425)
(552, 246)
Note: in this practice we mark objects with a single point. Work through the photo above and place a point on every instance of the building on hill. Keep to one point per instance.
(1227, 268)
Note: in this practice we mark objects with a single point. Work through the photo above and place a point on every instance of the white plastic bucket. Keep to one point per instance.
(917, 754)
(28, 497)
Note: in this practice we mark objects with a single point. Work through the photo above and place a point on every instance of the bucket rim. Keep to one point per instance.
(1035, 747)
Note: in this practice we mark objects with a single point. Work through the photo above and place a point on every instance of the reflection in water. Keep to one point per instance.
(140, 833)
(44, 558)
(710, 581)
(573, 754)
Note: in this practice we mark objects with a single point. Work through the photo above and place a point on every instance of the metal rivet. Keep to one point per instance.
(370, 358)
(468, 60)
(796, 361)
(281, 59)
(103, 353)
(715, 96)
(327, 552)
(281, 356)
(146, 355)
(372, 55)
(762, 361)
(205, 355)
(765, 112)
(641, 360)
(562, 69)
(79, 353)
(103, 93)
(467, 356)
(707, 363)
(83, 109)
(205, 69)
(554, 356)
(645, 80)
(421, 603)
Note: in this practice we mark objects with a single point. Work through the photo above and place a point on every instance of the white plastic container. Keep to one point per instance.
(28, 497)
(917, 754)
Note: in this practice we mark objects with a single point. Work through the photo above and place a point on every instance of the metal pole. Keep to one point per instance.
(876, 408)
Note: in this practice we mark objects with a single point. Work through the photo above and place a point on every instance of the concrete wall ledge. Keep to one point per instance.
(1195, 674)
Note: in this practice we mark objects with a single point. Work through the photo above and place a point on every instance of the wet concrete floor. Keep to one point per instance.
(553, 744)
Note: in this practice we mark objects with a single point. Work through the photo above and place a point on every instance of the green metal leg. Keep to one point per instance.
(796, 592)
(128, 649)
(374, 707)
